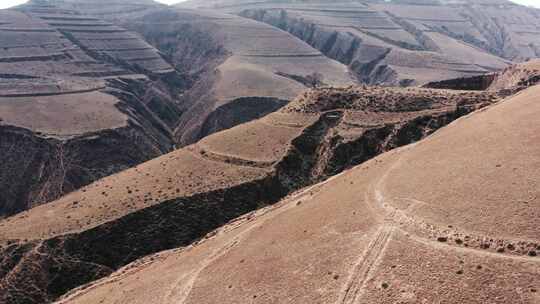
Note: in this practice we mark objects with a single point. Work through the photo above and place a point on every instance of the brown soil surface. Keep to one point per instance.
(111, 113)
(426, 223)
(231, 157)
(181, 196)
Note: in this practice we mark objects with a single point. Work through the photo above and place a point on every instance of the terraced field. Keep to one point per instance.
(196, 72)
(59, 112)
(102, 41)
(110, 10)
(402, 43)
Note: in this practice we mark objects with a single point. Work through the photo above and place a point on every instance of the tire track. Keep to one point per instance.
(364, 267)
(182, 295)
(368, 262)
(180, 292)
(440, 235)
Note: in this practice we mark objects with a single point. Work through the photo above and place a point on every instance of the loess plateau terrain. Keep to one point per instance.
(269, 151)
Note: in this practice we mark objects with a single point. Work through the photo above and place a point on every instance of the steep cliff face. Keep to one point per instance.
(364, 60)
(187, 67)
(174, 200)
(39, 170)
(475, 83)
(93, 112)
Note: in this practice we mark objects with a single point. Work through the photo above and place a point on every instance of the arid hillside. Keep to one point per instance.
(83, 97)
(174, 200)
(73, 103)
(237, 62)
(153, 78)
(269, 151)
(402, 42)
(517, 77)
(427, 223)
